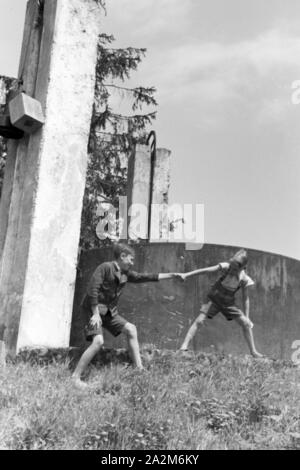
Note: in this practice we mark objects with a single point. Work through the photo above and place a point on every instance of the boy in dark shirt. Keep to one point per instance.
(101, 301)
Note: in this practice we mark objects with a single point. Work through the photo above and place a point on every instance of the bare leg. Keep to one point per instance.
(192, 331)
(86, 358)
(246, 325)
(133, 344)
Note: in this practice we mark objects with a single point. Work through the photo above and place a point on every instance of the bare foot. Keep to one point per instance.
(257, 354)
(79, 384)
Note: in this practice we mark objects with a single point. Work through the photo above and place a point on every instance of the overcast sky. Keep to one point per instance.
(223, 71)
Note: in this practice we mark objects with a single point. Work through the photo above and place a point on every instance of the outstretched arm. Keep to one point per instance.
(163, 276)
(211, 269)
(135, 277)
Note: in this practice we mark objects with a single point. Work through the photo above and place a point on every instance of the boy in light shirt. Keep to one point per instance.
(221, 298)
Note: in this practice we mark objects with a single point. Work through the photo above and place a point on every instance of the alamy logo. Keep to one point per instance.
(176, 222)
(296, 354)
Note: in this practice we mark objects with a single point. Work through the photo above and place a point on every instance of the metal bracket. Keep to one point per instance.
(151, 136)
(7, 130)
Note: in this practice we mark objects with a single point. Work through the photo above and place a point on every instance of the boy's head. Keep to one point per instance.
(124, 255)
(239, 260)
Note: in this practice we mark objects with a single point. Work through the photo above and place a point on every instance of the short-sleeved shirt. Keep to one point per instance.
(233, 282)
(107, 283)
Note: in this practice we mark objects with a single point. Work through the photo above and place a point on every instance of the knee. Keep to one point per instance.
(245, 323)
(98, 342)
(131, 331)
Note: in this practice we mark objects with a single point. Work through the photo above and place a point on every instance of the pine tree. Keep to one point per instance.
(113, 135)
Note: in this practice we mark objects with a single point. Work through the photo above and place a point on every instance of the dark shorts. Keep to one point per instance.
(230, 312)
(220, 300)
(112, 323)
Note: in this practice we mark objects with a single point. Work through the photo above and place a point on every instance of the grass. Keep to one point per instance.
(195, 401)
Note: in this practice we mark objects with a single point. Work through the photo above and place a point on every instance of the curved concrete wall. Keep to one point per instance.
(163, 311)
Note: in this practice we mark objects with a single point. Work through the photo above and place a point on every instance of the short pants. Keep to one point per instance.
(112, 323)
(230, 312)
(220, 300)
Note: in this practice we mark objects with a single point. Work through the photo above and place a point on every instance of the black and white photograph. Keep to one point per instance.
(149, 227)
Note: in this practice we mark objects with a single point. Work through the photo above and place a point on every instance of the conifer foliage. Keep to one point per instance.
(113, 134)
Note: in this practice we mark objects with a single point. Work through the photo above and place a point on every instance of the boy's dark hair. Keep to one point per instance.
(120, 248)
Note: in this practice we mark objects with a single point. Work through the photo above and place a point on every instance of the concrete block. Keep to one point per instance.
(159, 223)
(26, 113)
(138, 193)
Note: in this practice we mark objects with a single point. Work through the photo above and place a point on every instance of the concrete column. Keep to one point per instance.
(138, 193)
(159, 225)
(39, 258)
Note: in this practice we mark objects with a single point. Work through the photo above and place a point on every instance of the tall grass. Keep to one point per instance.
(202, 401)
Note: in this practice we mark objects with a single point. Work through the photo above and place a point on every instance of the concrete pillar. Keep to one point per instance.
(138, 192)
(38, 266)
(2, 349)
(159, 225)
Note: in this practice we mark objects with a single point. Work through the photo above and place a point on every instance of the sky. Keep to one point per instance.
(223, 71)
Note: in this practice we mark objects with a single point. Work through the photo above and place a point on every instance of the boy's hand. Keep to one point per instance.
(180, 276)
(96, 320)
